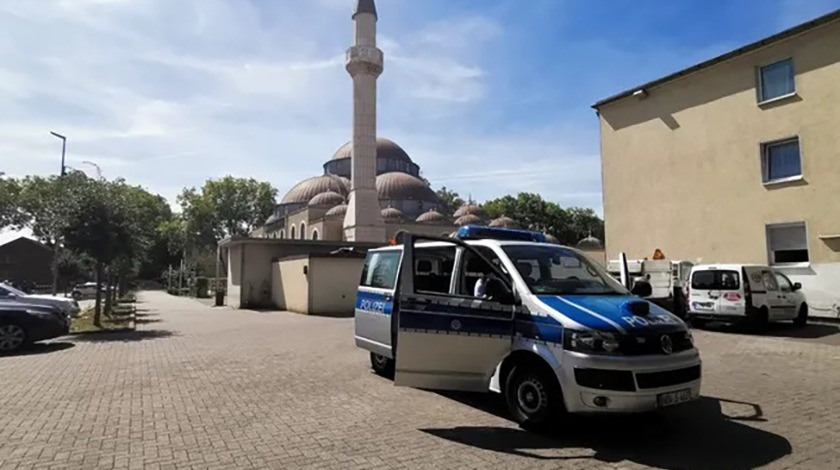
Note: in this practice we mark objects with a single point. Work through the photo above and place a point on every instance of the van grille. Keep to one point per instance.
(605, 379)
(650, 344)
(668, 378)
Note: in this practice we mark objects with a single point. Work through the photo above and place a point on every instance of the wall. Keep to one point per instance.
(335, 281)
(290, 287)
(233, 295)
(597, 255)
(423, 229)
(682, 168)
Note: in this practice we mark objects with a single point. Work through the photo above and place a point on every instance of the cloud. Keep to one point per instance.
(169, 93)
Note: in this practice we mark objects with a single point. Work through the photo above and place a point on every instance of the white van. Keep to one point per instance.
(744, 292)
(553, 331)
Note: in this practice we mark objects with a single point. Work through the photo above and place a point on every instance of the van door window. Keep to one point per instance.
(783, 282)
(715, 280)
(380, 270)
(474, 268)
(769, 281)
(433, 269)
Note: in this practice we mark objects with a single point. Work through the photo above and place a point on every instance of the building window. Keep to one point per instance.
(787, 243)
(781, 160)
(282, 234)
(315, 234)
(303, 230)
(292, 232)
(776, 80)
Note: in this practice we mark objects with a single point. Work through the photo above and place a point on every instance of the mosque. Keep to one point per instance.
(314, 209)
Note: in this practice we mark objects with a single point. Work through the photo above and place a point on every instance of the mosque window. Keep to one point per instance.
(315, 234)
(303, 230)
(292, 232)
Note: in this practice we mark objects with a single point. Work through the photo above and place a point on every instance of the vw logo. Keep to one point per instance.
(667, 344)
(456, 325)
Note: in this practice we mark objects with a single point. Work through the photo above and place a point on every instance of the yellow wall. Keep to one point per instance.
(335, 280)
(682, 168)
(290, 286)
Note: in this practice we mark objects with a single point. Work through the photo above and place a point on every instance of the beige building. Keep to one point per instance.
(736, 159)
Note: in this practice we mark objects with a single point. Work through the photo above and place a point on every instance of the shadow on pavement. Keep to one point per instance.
(698, 436)
(123, 336)
(40, 348)
(781, 330)
(145, 321)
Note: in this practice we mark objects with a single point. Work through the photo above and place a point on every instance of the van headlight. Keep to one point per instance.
(591, 342)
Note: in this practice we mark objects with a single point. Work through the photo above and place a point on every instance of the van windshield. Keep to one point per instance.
(555, 270)
(716, 280)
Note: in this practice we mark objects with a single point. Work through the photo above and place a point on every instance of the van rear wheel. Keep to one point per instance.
(382, 365)
(533, 397)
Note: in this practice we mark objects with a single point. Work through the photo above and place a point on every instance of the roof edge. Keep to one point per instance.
(767, 41)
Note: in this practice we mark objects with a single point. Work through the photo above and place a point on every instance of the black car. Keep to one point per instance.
(22, 324)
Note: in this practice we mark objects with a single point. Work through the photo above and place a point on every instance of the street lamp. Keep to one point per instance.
(63, 148)
(98, 170)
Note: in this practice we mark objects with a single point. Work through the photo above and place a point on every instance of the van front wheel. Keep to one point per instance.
(533, 398)
(382, 365)
(802, 318)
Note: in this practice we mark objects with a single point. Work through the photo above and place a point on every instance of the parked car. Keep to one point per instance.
(22, 324)
(86, 290)
(742, 292)
(11, 294)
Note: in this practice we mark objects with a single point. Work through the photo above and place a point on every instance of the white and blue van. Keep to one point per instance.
(501, 310)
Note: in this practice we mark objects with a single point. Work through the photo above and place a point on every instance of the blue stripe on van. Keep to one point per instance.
(374, 302)
(464, 324)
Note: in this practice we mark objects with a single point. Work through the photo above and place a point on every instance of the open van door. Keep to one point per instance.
(448, 341)
(625, 271)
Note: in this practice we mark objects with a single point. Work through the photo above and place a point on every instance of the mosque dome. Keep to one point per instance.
(336, 211)
(396, 185)
(470, 209)
(431, 217)
(391, 214)
(272, 219)
(504, 221)
(552, 239)
(589, 242)
(328, 198)
(385, 148)
(468, 219)
(307, 189)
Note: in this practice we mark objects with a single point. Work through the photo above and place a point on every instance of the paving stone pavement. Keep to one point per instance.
(203, 388)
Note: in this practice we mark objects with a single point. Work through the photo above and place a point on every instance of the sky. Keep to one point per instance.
(489, 97)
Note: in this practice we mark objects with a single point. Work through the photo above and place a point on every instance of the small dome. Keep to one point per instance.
(272, 219)
(589, 242)
(431, 217)
(504, 221)
(329, 198)
(392, 214)
(468, 219)
(339, 210)
(552, 239)
(304, 191)
(384, 149)
(470, 209)
(402, 186)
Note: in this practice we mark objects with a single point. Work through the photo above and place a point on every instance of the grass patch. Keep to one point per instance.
(119, 321)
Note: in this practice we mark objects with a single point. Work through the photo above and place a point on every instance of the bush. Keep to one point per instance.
(202, 287)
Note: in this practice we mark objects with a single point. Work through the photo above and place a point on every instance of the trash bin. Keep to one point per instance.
(220, 297)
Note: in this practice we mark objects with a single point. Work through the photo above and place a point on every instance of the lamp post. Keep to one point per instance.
(63, 148)
(98, 170)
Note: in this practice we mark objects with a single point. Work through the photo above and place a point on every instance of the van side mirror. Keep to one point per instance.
(797, 286)
(642, 288)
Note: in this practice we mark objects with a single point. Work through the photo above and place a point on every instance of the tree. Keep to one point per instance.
(43, 205)
(100, 225)
(450, 201)
(532, 211)
(9, 207)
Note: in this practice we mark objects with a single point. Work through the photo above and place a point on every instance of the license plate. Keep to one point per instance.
(703, 305)
(673, 398)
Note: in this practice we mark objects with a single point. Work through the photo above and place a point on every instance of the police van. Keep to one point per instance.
(502, 310)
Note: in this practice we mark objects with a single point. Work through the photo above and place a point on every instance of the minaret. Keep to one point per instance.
(363, 222)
